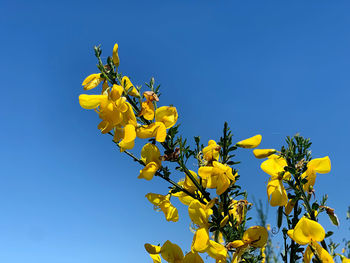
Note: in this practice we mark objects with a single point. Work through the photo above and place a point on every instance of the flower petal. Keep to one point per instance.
(91, 101)
(115, 55)
(167, 115)
(148, 171)
(251, 142)
(200, 240)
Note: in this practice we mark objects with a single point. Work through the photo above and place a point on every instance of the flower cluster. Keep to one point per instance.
(118, 112)
(217, 207)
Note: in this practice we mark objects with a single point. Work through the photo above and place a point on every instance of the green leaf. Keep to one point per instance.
(328, 234)
(334, 219)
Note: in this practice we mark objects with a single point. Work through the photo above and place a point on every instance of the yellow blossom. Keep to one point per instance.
(183, 197)
(92, 81)
(274, 166)
(156, 130)
(305, 231)
(263, 255)
(217, 251)
(162, 202)
(150, 155)
(115, 55)
(172, 253)
(276, 193)
(255, 236)
(127, 85)
(156, 258)
(251, 142)
(127, 135)
(322, 254)
(147, 107)
(112, 108)
(319, 165)
(199, 214)
(344, 259)
(310, 232)
(188, 185)
(238, 210)
(218, 176)
(167, 115)
(91, 101)
(211, 152)
(192, 257)
(263, 153)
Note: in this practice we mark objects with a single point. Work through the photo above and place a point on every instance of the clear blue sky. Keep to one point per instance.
(269, 67)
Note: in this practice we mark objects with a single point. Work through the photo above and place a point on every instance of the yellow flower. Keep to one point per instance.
(344, 259)
(156, 130)
(167, 115)
(183, 197)
(199, 214)
(274, 166)
(111, 108)
(156, 258)
(263, 255)
(211, 152)
(217, 176)
(115, 55)
(263, 153)
(147, 107)
(251, 142)
(217, 251)
(188, 185)
(129, 116)
(127, 85)
(305, 231)
(276, 193)
(310, 232)
(92, 81)
(150, 155)
(162, 202)
(238, 210)
(255, 236)
(172, 253)
(319, 165)
(91, 101)
(323, 255)
(127, 135)
(192, 257)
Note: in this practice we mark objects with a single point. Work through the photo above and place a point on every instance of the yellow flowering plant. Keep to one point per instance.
(217, 207)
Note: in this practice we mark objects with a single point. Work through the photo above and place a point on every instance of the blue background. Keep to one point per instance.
(268, 67)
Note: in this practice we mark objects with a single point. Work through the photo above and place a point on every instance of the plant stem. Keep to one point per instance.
(160, 174)
(293, 245)
(144, 121)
